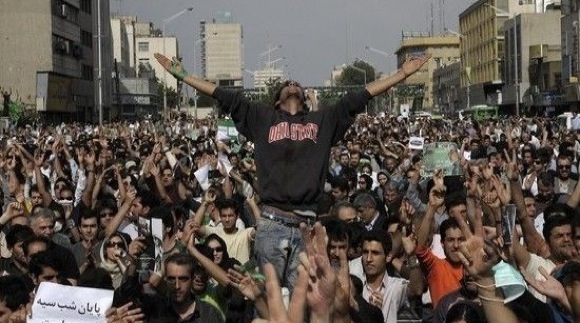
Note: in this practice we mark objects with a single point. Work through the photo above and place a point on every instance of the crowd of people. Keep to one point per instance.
(320, 216)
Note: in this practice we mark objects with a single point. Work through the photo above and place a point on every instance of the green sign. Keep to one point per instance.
(440, 155)
(227, 127)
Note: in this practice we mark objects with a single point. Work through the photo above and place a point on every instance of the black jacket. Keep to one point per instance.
(291, 151)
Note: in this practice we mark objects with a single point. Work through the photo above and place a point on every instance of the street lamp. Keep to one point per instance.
(516, 60)
(463, 38)
(165, 22)
(378, 51)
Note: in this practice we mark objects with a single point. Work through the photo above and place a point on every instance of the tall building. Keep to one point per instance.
(482, 47)
(135, 87)
(147, 46)
(50, 59)
(523, 31)
(444, 50)
(570, 40)
(222, 50)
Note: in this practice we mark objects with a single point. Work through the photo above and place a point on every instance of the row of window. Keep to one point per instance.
(87, 38)
(86, 6)
(66, 47)
(66, 11)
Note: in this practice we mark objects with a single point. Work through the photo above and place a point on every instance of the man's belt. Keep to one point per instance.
(286, 218)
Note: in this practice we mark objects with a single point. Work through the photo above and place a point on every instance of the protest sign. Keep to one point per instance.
(157, 232)
(416, 143)
(440, 155)
(227, 127)
(70, 304)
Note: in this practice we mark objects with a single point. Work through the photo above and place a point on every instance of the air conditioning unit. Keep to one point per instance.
(60, 47)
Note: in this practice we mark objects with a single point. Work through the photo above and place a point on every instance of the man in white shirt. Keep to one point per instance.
(385, 292)
(237, 241)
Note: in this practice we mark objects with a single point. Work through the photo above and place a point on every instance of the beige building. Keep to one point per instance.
(147, 46)
(444, 50)
(222, 50)
(49, 56)
(482, 47)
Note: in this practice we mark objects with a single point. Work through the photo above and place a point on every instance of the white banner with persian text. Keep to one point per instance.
(68, 304)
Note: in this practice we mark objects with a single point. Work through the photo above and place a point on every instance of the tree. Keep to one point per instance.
(173, 98)
(354, 76)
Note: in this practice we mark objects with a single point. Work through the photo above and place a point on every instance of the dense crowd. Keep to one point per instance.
(379, 240)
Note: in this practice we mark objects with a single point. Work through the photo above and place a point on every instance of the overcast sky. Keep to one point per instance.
(315, 34)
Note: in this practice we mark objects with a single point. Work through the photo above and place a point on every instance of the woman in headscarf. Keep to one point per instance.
(111, 253)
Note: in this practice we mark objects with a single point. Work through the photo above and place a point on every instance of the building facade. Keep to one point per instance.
(50, 58)
(483, 51)
(222, 51)
(444, 50)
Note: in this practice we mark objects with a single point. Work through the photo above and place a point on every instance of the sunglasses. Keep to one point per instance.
(113, 244)
(564, 166)
(107, 214)
(217, 249)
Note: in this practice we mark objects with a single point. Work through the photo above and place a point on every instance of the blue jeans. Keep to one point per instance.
(280, 246)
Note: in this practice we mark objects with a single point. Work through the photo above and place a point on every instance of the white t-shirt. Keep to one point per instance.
(238, 243)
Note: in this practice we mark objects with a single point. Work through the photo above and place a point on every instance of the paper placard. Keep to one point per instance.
(416, 143)
(157, 233)
(70, 304)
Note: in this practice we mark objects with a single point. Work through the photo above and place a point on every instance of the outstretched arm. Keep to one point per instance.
(407, 69)
(175, 68)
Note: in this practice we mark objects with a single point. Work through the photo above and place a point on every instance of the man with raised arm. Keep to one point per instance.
(292, 146)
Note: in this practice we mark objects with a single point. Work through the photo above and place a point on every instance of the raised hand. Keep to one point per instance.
(174, 67)
(245, 284)
(322, 283)
(548, 286)
(412, 65)
(125, 314)
(278, 313)
(477, 255)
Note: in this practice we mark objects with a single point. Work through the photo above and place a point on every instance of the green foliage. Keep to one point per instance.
(353, 75)
(173, 98)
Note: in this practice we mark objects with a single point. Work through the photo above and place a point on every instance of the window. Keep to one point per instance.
(143, 46)
(85, 6)
(87, 72)
(87, 38)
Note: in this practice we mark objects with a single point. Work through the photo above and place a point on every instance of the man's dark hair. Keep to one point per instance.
(88, 215)
(13, 292)
(96, 278)
(447, 224)
(182, 259)
(335, 229)
(355, 232)
(279, 93)
(41, 260)
(227, 204)
(559, 210)
(382, 237)
(18, 233)
(455, 202)
(553, 222)
(368, 180)
(528, 194)
(35, 239)
(339, 182)
(148, 199)
(546, 179)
